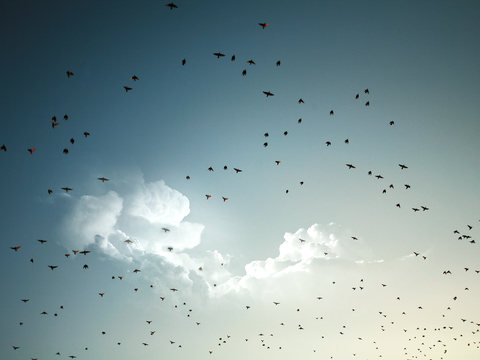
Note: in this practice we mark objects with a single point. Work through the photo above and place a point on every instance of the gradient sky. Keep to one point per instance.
(420, 63)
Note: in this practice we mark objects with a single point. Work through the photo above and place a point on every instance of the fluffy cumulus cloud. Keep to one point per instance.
(141, 213)
(304, 251)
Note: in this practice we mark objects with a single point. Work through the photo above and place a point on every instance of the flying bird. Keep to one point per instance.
(367, 103)
(218, 55)
(268, 93)
(31, 150)
(366, 91)
(301, 101)
(69, 73)
(184, 62)
(65, 151)
(52, 266)
(350, 166)
(331, 112)
(278, 63)
(174, 289)
(165, 229)
(328, 143)
(277, 162)
(224, 199)
(15, 248)
(233, 57)
(134, 78)
(136, 271)
(101, 294)
(103, 179)
(208, 196)
(86, 134)
(265, 144)
(244, 72)
(25, 300)
(127, 88)
(172, 5)
(42, 241)
(3, 147)
(237, 170)
(251, 62)
(263, 25)
(84, 252)
(403, 166)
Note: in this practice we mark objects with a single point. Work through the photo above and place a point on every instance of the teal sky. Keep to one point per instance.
(419, 62)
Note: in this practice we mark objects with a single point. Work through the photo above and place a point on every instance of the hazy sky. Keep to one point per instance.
(337, 254)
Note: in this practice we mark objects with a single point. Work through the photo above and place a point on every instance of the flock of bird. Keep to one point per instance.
(455, 331)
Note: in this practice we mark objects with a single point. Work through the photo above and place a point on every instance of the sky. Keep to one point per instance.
(309, 258)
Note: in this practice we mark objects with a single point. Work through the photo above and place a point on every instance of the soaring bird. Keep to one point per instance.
(25, 300)
(52, 266)
(301, 101)
(208, 196)
(15, 248)
(367, 103)
(244, 72)
(3, 147)
(172, 5)
(251, 62)
(173, 289)
(103, 179)
(263, 25)
(278, 63)
(277, 162)
(134, 78)
(265, 144)
(86, 134)
(403, 166)
(65, 151)
(350, 166)
(237, 170)
(42, 241)
(84, 252)
(101, 294)
(127, 88)
(224, 199)
(31, 150)
(165, 229)
(210, 169)
(218, 55)
(69, 73)
(328, 143)
(268, 93)
(136, 271)
(366, 91)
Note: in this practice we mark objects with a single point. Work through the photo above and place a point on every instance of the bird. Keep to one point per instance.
(3, 147)
(86, 134)
(172, 5)
(328, 143)
(208, 196)
(278, 63)
(75, 252)
(184, 62)
(136, 271)
(354, 238)
(225, 167)
(25, 300)
(134, 78)
(346, 141)
(173, 289)
(300, 101)
(251, 62)
(415, 209)
(407, 186)
(424, 208)
(392, 122)
(101, 294)
(65, 151)
(277, 162)
(42, 241)
(299, 121)
(402, 166)
(357, 96)
(103, 179)
(65, 117)
(367, 103)
(84, 252)
(69, 73)
(85, 266)
(331, 112)
(54, 124)
(15, 247)
(170, 248)
(263, 25)
(127, 88)
(233, 58)
(285, 133)
(237, 170)
(72, 141)
(379, 176)
(210, 169)
(268, 93)
(366, 91)
(52, 266)
(265, 144)
(165, 229)
(188, 177)
(350, 166)
(31, 151)
(244, 72)
(218, 55)
(224, 199)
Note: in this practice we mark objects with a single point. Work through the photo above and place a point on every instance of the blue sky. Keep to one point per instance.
(420, 65)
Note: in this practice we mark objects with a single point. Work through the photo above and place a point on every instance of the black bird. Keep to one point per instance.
(172, 5)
